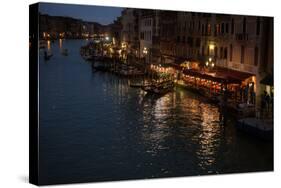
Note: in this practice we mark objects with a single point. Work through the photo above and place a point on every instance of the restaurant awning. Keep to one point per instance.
(267, 80)
(203, 75)
(221, 75)
(233, 75)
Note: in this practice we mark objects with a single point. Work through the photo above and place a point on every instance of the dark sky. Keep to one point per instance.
(100, 14)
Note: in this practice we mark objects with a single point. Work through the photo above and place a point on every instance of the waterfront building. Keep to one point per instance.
(168, 20)
(130, 31)
(115, 30)
(149, 32)
(236, 50)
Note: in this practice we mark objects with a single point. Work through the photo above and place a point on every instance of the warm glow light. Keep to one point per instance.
(48, 44)
(213, 64)
(60, 43)
(145, 50)
(207, 63)
(210, 59)
(212, 47)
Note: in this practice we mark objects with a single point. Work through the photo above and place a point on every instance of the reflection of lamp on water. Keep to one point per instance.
(60, 43)
(48, 44)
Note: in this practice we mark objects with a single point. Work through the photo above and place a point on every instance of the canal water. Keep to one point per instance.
(94, 127)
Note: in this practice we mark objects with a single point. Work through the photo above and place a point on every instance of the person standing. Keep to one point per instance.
(267, 100)
(263, 103)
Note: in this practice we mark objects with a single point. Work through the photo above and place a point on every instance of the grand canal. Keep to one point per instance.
(94, 127)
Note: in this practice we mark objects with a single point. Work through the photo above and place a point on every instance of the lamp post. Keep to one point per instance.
(145, 51)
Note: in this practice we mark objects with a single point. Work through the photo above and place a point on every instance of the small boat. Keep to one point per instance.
(64, 52)
(47, 55)
(260, 128)
(159, 88)
(136, 85)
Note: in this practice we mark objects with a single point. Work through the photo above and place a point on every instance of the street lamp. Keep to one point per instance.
(210, 63)
(145, 51)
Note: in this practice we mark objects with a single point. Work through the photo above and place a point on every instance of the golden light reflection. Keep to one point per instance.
(208, 136)
(156, 112)
(60, 43)
(48, 44)
(179, 116)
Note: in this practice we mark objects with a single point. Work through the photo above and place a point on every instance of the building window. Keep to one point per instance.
(232, 26)
(198, 41)
(216, 52)
(244, 25)
(183, 39)
(222, 28)
(221, 52)
(256, 56)
(202, 29)
(203, 48)
(178, 39)
(242, 54)
(258, 26)
(199, 26)
(226, 27)
(231, 51)
(215, 30)
(218, 28)
(209, 29)
(225, 53)
(142, 35)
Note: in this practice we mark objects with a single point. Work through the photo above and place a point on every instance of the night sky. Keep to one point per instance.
(100, 14)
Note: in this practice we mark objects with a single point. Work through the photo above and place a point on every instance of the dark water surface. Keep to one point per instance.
(94, 127)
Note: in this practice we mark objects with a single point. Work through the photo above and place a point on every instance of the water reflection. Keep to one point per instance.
(181, 118)
(60, 43)
(48, 45)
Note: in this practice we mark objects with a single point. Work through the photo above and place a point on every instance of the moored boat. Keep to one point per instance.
(47, 55)
(159, 88)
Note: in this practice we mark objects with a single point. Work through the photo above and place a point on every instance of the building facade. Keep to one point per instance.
(168, 21)
(149, 32)
(130, 31)
(232, 42)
